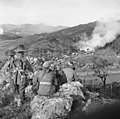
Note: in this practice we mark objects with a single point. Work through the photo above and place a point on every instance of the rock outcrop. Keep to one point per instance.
(72, 89)
(50, 108)
(58, 106)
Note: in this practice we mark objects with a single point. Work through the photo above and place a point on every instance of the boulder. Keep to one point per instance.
(72, 89)
(59, 105)
(50, 108)
(92, 95)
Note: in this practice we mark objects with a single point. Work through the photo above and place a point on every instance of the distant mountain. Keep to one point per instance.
(29, 29)
(61, 41)
(64, 40)
(77, 31)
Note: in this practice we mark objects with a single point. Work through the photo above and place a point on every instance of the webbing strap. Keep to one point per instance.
(45, 83)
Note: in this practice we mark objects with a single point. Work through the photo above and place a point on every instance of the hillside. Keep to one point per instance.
(77, 31)
(115, 45)
(29, 29)
(60, 41)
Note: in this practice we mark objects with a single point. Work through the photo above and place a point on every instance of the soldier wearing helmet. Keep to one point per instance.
(70, 72)
(61, 77)
(45, 80)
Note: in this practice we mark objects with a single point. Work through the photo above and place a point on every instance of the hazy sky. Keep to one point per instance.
(57, 12)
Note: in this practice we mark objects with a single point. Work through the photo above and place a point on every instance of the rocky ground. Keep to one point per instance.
(10, 110)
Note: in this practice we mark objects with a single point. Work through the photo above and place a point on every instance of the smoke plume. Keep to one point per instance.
(104, 32)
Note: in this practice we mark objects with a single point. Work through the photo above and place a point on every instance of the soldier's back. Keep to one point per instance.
(69, 72)
(46, 80)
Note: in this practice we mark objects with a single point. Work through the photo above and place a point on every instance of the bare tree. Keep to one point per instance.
(99, 68)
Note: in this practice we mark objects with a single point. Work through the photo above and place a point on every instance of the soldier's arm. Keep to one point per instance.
(35, 79)
(55, 80)
(35, 85)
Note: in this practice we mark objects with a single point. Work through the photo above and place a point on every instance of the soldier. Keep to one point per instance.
(8, 68)
(22, 71)
(61, 77)
(70, 73)
(46, 81)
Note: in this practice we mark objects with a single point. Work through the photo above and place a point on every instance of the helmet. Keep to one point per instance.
(20, 48)
(10, 53)
(47, 64)
(71, 64)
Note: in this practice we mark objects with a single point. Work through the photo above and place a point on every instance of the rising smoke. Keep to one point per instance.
(104, 32)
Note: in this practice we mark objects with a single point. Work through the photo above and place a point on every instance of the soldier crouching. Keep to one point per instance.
(45, 81)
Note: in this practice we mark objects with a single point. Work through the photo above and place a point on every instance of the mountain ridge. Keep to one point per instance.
(30, 29)
(62, 41)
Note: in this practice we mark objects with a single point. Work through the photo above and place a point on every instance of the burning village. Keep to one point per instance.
(69, 69)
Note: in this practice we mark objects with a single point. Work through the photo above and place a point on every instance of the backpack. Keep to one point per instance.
(20, 73)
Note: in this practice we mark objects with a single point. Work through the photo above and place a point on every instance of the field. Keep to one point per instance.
(86, 73)
(84, 58)
(92, 79)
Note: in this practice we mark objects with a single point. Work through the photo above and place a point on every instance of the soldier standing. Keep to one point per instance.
(22, 71)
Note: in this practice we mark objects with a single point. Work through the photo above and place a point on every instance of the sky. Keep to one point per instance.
(57, 12)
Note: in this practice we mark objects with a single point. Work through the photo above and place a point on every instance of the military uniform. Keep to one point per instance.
(21, 74)
(70, 74)
(47, 82)
(61, 77)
